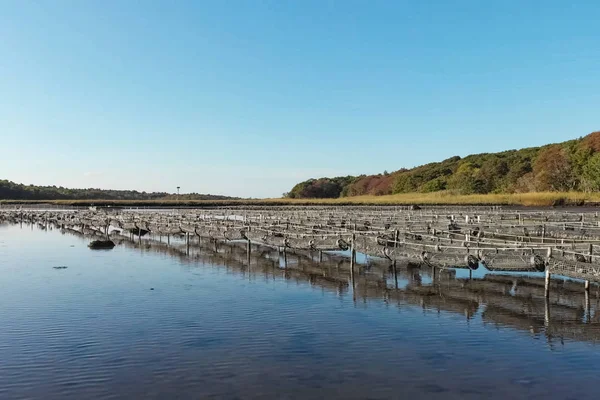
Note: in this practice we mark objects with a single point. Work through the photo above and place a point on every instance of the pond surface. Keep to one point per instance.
(146, 321)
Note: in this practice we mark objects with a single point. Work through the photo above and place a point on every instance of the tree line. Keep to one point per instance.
(569, 166)
(15, 191)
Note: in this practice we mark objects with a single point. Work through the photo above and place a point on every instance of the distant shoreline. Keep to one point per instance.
(545, 199)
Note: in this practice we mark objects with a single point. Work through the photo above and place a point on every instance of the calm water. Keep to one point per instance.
(146, 321)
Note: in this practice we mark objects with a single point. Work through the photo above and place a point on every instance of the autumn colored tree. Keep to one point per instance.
(525, 184)
(560, 167)
(592, 141)
(552, 170)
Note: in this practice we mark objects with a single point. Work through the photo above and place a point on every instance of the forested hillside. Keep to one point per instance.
(13, 191)
(569, 166)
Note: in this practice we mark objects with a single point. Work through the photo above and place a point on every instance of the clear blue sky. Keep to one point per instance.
(247, 98)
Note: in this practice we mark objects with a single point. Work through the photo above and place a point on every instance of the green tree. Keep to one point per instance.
(465, 180)
(591, 174)
(492, 173)
(404, 183)
(434, 185)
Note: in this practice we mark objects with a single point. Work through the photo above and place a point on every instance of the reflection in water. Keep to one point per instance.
(511, 301)
(233, 323)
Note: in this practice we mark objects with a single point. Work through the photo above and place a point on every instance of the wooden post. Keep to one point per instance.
(590, 252)
(543, 232)
(248, 250)
(547, 312)
(395, 274)
(352, 257)
(320, 256)
(588, 313)
(547, 283)
(587, 286)
(396, 237)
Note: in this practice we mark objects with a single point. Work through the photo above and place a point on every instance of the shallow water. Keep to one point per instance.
(144, 320)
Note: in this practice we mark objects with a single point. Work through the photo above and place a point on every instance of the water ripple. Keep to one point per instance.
(214, 328)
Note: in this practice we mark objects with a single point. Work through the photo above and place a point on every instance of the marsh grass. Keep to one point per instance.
(436, 198)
